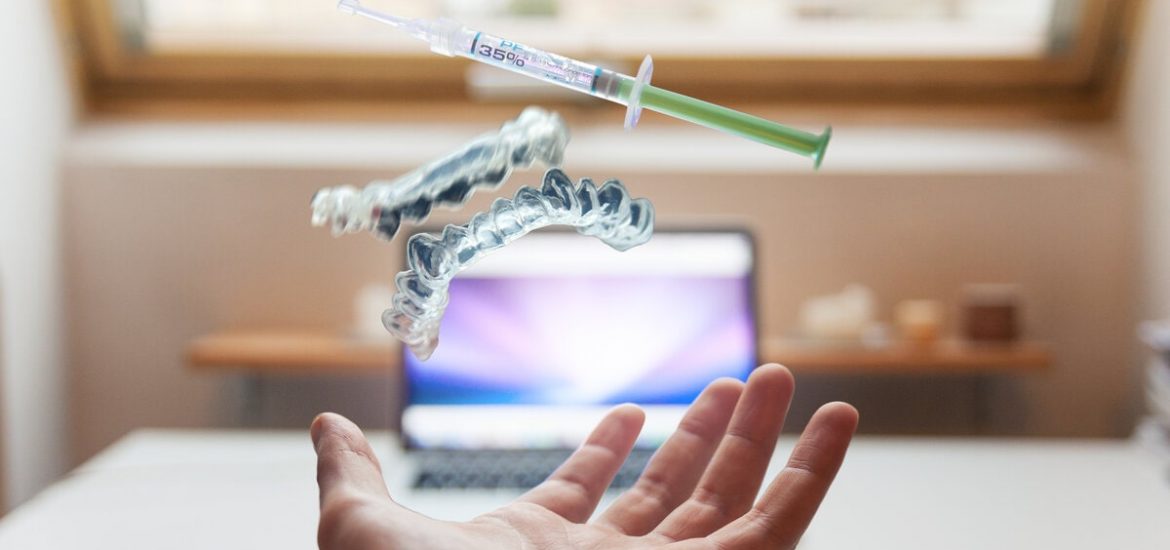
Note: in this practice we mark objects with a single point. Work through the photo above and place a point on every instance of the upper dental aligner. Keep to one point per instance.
(536, 135)
(607, 213)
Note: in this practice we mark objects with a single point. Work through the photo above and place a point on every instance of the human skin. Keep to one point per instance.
(697, 493)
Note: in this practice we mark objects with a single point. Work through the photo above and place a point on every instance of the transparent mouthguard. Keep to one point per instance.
(607, 213)
(487, 161)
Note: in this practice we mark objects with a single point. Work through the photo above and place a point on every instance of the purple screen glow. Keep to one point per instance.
(587, 340)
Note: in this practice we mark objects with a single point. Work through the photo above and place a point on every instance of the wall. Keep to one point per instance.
(34, 118)
(1148, 122)
(176, 231)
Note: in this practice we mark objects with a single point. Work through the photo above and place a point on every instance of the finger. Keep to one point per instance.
(730, 484)
(574, 489)
(346, 465)
(675, 469)
(782, 515)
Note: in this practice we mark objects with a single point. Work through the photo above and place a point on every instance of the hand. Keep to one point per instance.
(698, 492)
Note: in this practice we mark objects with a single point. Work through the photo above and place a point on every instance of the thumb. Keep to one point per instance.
(347, 468)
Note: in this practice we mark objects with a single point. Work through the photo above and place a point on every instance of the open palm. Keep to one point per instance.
(698, 492)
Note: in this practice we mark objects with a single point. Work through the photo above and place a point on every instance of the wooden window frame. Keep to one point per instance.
(1082, 83)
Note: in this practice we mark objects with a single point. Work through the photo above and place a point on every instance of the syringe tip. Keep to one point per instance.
(349, 7)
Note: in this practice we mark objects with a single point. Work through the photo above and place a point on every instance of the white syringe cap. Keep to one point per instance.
(443, 34)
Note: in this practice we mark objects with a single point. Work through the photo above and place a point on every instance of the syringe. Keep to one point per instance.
(451, 38)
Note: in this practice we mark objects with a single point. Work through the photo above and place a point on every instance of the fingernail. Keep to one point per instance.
(316, 427)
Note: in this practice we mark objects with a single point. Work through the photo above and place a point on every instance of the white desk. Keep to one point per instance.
(248, 490)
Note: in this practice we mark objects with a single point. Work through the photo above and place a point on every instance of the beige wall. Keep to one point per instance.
(1148, 121)
(159, 254)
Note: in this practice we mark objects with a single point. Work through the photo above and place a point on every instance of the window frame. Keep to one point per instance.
(1082, 83)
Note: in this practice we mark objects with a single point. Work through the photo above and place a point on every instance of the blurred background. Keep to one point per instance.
(998, 175)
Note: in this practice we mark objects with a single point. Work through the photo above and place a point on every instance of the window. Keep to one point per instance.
(1052, 55)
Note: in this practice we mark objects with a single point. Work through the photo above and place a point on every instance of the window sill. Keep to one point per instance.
(663, 149)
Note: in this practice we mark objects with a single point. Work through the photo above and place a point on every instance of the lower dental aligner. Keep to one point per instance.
(607, 213)
(536, 135)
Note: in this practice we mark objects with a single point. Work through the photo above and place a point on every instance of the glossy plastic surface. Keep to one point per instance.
(486, 162)
(607, 213)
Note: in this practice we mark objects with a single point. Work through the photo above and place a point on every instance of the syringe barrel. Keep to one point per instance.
(541, 65)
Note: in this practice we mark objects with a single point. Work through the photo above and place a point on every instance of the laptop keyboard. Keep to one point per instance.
(512, 469)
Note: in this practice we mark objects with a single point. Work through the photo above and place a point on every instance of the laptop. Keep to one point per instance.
(544, 336)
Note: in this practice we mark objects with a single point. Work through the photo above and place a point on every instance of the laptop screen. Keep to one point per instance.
(542, 337)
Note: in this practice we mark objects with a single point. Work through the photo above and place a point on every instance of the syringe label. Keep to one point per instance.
(501, 55)
(535, 63)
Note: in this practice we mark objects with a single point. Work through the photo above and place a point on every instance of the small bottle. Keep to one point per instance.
(991, 313)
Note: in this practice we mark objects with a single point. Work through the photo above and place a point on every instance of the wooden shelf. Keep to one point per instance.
(292, 352)
(942, 357)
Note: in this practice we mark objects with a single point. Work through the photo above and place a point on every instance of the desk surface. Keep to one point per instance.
(247, 490)
(286, 352)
